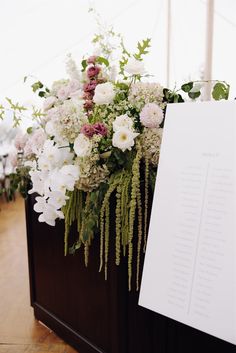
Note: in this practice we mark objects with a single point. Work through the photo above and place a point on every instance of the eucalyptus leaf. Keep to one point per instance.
(41, 94)
(194, 95)
(102, 60)
(220, 91)
(187, 87)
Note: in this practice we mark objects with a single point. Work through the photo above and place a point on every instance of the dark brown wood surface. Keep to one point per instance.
(94, 315)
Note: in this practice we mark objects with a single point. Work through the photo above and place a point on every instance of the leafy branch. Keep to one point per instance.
(142, 48)
(220, 90)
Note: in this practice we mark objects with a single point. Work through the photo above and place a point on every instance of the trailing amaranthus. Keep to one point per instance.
(135, 185)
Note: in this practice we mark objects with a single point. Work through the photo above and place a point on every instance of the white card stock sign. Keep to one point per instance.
(190, 265)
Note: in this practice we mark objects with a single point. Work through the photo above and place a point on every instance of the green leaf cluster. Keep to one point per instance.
(172, 96)
(142, 48)
(39, 87)
(220, 91)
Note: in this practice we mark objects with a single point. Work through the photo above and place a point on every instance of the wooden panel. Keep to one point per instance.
(97, 316)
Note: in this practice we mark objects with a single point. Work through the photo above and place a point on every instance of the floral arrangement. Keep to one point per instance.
(99, 136)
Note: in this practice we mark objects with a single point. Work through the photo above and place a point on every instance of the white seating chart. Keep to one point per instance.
(190, 265)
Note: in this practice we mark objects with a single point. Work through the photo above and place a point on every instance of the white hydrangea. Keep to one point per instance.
(82, 146)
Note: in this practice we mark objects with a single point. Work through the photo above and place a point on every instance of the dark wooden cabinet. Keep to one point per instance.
(94, 315)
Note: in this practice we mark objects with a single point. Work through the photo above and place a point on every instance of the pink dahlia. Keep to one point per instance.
(151, 115)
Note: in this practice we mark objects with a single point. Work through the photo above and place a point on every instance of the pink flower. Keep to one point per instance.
(88, 130)
(100, 128)
(88, 87)
(151, 115)
(93, 71)
(28, 150)
(63, 93)
(92, 59)
(73, 86)
(13, 159)
(35, 142)
(88, 95)
(20, 141)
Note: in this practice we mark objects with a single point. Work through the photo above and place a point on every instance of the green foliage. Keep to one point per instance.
(194, 95)
(18, 182)
(39, 87)
(124, 60)
(16, 109)
(2, 112)
(172, 96)
(187, 87)
(29, 130)
(37, 114)
(142, 48)
(122, 86)
(101, 60)
(220, 91)
(36, 86)
(16, 106)
(84, 65)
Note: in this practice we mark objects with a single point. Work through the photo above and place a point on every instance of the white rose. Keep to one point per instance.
(124, 139)
(104, 93)
(49, 102)
(123, 121)
(134, 67)
(82, 146)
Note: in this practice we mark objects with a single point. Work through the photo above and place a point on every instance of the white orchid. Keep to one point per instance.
(38, 180)
(62, 182)
(49, 213)
(72, 170)
(57, 199)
